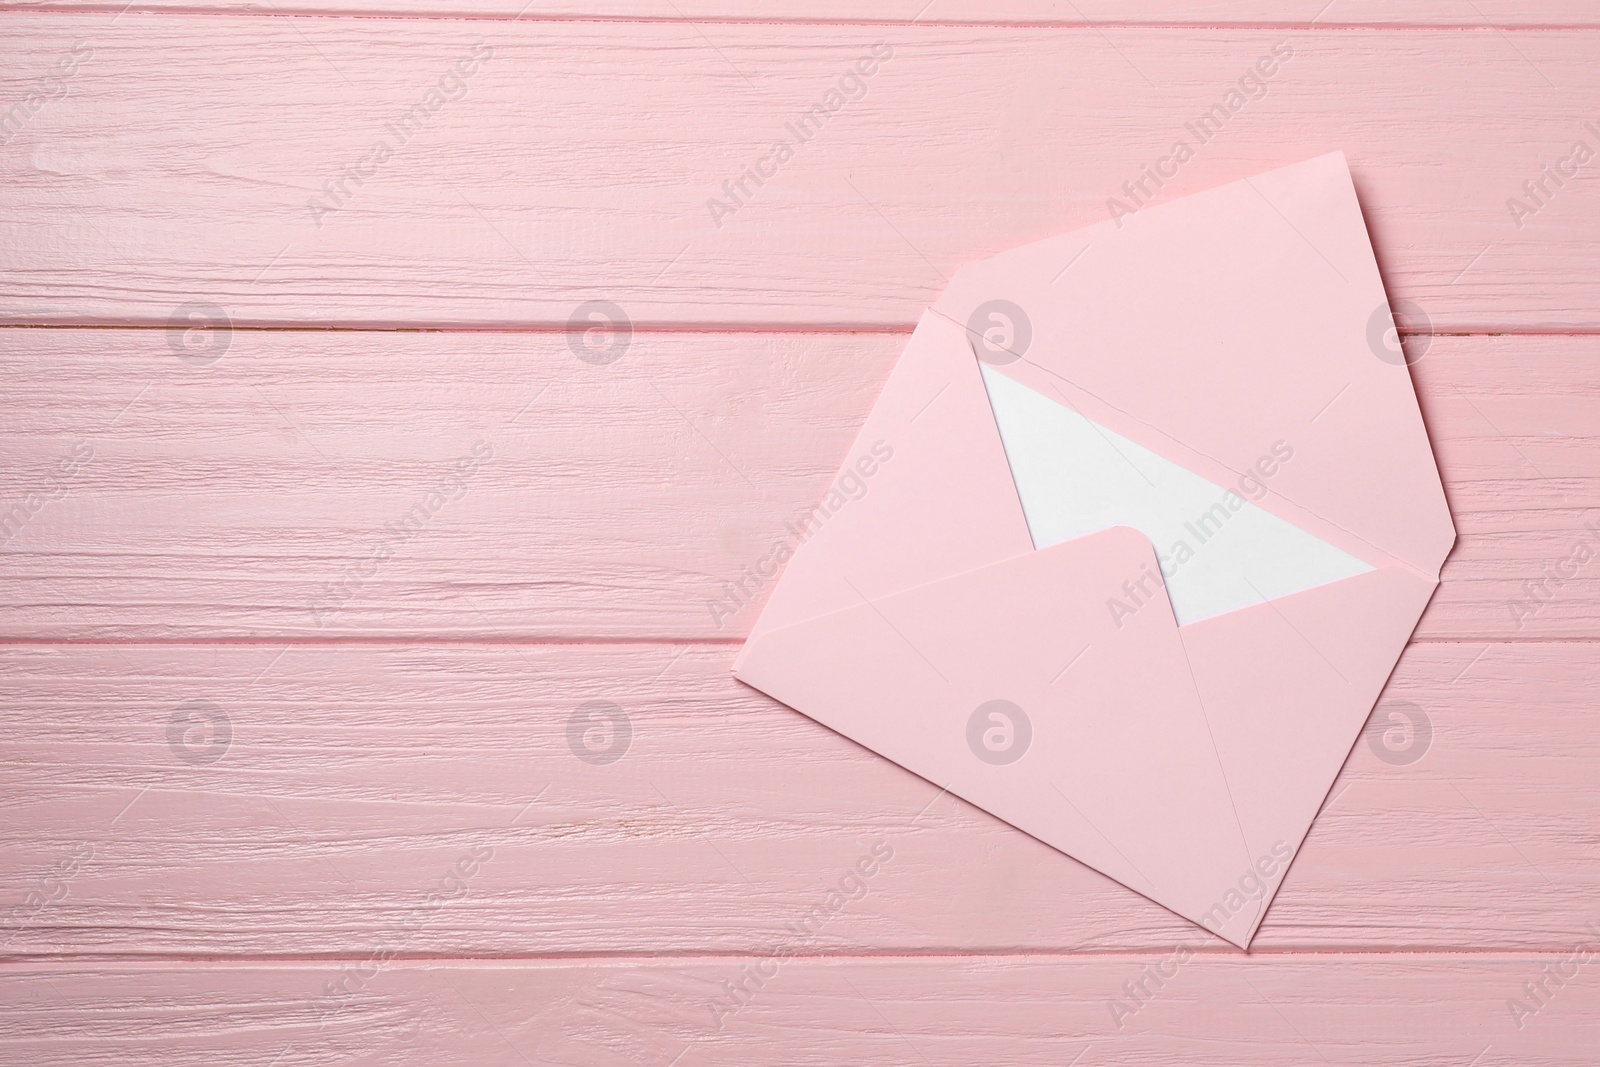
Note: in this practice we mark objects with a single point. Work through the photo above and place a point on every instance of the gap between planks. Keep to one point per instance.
(289, 961)
(1325, 20)
(446, 641)
(795, 329)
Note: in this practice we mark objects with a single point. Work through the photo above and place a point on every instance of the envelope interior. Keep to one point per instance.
(1218, 551)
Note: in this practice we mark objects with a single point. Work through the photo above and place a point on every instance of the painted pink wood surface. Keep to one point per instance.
(247, 498)
(1387, 1010)
(356, 776)
(581, 159)
(159, 910)
(1476, 14)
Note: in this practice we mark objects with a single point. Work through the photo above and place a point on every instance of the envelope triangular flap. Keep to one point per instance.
(1287, 686)
(931, 493)
(1117, 769)
(1218, 325)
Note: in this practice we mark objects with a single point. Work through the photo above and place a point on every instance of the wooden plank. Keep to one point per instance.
(271, 493)
(164, 175)
(352, 783)
(1380, 1010)
(1516, 446)
(1482, 14)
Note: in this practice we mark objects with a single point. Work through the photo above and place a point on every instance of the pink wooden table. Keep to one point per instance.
(325, 535)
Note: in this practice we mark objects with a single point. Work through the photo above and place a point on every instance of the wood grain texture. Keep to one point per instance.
(296, 638)
(356, 778)
(1390, 1010)
(1475, 14)
(163, 174)
(254, 497)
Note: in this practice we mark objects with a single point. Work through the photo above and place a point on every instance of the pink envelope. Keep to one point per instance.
(1130, 543)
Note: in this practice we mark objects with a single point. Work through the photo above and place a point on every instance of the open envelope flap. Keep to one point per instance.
(1224, 323)
(1012, 686)
(928, 494)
